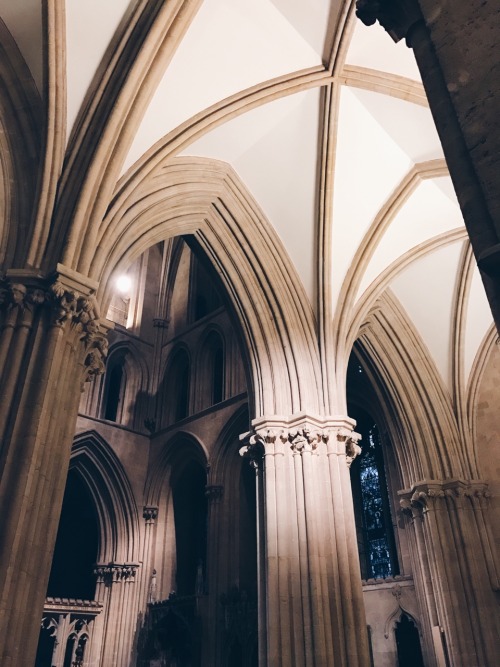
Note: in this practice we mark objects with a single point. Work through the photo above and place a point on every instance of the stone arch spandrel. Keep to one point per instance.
(206, 199)
(110, 489)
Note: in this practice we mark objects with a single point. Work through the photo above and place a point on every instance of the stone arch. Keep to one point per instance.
(134, 384)
(21, 116)
(110, 489)
(206, 199)
(425, 434)
(209, 380)
(178, 363)
(176, 454)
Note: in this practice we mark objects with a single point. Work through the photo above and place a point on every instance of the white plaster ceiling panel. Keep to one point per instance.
(372, 47)
(24, 21)
(411, 126)
(315, 20)
(90, 26)
(427, 213)
(230, 45)
(368, 167)
(479, 320)
(274, 150)
(426, 289)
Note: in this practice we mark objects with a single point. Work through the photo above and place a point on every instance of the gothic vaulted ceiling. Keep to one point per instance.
(325, 122)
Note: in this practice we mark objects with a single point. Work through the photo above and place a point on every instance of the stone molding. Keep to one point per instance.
(426, 496)
(113, 573)
(301, 434)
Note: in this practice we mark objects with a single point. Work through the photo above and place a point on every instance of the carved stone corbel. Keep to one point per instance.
(397, 17)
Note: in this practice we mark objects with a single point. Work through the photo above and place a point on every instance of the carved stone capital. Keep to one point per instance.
(397, 17)
(18, 295)
(150, 513)
(70, 300)
(445, 494)
(302, 434)
(113, 573)
(214, 493)
(304, 440)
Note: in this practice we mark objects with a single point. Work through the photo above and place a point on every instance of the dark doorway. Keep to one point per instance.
(408, 643)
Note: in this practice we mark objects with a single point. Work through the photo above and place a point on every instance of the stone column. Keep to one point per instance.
(119, 580)
(50, 344)
(313, 597)
(211, 648)
(455, 46)
(450, 524)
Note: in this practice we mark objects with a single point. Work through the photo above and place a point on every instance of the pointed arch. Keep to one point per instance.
(123, 393)
(425, 433)
(206, 199)
(21, 116)
(175, 390)
(112, 493)
(395, 616)
(210, 369)
(176, 451)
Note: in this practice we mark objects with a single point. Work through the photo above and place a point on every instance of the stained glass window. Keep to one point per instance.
(375, 534)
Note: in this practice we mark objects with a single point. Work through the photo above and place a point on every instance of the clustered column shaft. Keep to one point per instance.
(314, 606)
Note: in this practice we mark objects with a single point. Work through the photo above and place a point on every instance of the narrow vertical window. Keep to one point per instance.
(218, 374)
(114, 393)
(375, 533)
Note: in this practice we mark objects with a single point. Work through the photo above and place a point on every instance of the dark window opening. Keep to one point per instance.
(190, 512)
(218, 375)
(75, 554)
(408, 643)
(114, 392)
(46, 644)
(178, 383)
(204, 295)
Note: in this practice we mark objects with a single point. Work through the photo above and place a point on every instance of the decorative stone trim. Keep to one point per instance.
(72, 304)
(116, 572)
(72, 605)
(426, 495)
(150, 513)
(302, 434)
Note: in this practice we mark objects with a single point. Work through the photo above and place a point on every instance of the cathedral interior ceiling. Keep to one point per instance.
(323, 121)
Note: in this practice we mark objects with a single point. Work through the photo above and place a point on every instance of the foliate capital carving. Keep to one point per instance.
(113, 573)
(435, 494)
(150, 513)
(344, 440)
(302, 434)
(304, 440)
(214, 493)
(70, 304)
(397, 17)
(16, 295)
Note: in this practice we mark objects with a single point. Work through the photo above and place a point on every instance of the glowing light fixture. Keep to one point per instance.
(124, 284)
